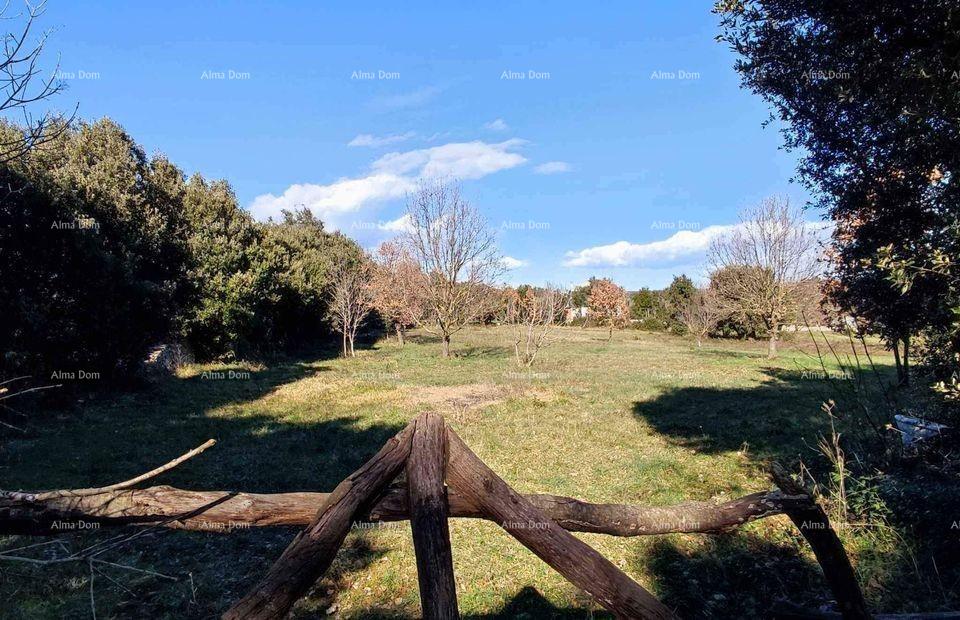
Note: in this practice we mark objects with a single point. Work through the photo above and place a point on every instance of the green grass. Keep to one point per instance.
(645, 418)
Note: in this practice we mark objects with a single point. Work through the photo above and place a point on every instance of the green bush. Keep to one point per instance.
(92, 263)
(104, 253)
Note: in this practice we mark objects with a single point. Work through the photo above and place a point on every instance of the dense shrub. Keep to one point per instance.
(105, 252)
(91, 262)
(300, 313)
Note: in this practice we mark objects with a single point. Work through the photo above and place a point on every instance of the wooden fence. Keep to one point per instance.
(427, 474)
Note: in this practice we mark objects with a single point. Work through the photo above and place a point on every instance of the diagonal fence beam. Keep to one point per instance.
(310, 554)
(580, 563)
(815, 526)
(428, 518)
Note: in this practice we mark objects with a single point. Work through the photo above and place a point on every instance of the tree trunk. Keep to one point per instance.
(772, 343)
(399, 328)
(353, 353)
(895, 345)
(446, 345)
(26, 514)
(343, 347)
(906, 359)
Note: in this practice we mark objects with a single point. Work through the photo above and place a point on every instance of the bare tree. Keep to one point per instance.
(351, 299)
(457, 253)
(22, 83)
(534, 312)
(775, 255)
(396, 284)
(701, 314)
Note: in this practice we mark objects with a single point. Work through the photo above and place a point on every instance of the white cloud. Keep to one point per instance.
(366, 139)
(682, 244)
(391, 176)
(497, 125)
(339, 197)
(552, 167)
(463, 160)
(510, 262)
(401, 224)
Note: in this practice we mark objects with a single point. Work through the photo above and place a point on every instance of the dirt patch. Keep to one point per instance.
(459, 397)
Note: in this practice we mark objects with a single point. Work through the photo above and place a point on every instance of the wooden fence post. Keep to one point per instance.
(426, 469)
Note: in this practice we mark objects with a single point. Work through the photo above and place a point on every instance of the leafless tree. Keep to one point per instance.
(351, 299)
(396, 287)
(701, 314)
(22, 84)
(533, 313)
(457, 253)
(775, 254)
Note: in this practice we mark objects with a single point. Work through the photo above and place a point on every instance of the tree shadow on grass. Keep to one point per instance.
(481, 351)
(259, 449)
(735, 575)
(526, 604)
(781, 419)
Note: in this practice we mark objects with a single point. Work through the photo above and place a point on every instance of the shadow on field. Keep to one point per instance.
(736, 575)
(780, 419)
(528, 604)
(117, 438)
(482, 352)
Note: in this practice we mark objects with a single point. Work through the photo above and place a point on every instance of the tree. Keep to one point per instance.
(676, 298)
(397, 280)
(776, 253)
(533, 313)
(351, 300)
(456, 251)
(92, 252)
(867, 93)
(739, 324)
(235, 275)
(608, 305)
(300, 314)
(701, 314)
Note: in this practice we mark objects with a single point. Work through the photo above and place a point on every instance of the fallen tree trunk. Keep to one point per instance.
(222, 511)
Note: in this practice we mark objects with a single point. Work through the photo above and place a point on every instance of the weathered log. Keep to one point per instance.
(428, 519)
(312, 551)
(815, 527)
(580, 563)
(223, 511)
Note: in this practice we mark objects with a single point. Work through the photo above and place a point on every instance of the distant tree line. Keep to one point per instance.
(763, 277)
(105, 252)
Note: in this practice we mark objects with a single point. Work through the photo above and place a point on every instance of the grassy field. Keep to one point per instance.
(645, 418)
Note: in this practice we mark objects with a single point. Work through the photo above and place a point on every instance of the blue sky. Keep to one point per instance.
(627, 144)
